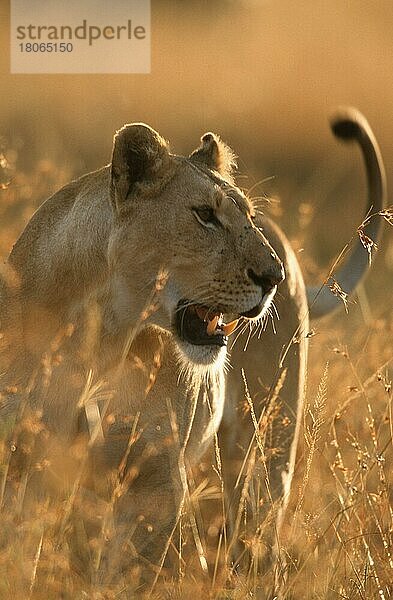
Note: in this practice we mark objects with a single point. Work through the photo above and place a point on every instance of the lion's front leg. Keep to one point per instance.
(136, 485)
(145, 512)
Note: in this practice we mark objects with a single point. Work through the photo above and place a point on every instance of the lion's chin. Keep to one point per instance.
(204, 356)
(189, 354)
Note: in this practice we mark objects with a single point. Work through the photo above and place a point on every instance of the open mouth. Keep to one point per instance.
(202, 326)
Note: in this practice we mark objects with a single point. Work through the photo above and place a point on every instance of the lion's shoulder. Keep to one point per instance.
(66, 235)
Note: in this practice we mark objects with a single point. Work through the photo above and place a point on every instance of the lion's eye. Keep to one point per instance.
(206, 216)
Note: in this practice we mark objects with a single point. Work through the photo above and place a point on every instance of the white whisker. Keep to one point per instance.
(242, 329)
(248, 337)
(274, 307)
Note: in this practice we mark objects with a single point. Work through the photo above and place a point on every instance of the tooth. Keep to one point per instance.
(211, 326)
(229, 328)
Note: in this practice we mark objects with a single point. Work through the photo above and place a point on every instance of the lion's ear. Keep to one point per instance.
(140, 158)
(215, 155)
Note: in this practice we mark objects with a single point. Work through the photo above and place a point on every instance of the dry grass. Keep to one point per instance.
(336, 541)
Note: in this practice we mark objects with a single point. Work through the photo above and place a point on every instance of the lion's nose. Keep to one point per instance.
(269, 278)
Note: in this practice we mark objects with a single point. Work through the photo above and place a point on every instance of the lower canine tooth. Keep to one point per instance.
(230, 327)
(211, 326)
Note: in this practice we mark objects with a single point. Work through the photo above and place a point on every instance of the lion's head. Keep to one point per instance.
(185, 217)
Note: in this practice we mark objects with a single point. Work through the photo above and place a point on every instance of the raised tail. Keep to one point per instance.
(349, 124)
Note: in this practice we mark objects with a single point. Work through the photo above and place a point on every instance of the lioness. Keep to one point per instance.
(125, 287)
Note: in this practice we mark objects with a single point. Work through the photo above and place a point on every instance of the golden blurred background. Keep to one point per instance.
(265, 75)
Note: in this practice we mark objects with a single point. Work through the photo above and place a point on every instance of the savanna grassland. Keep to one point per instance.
(265, 76)
(337, 536)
